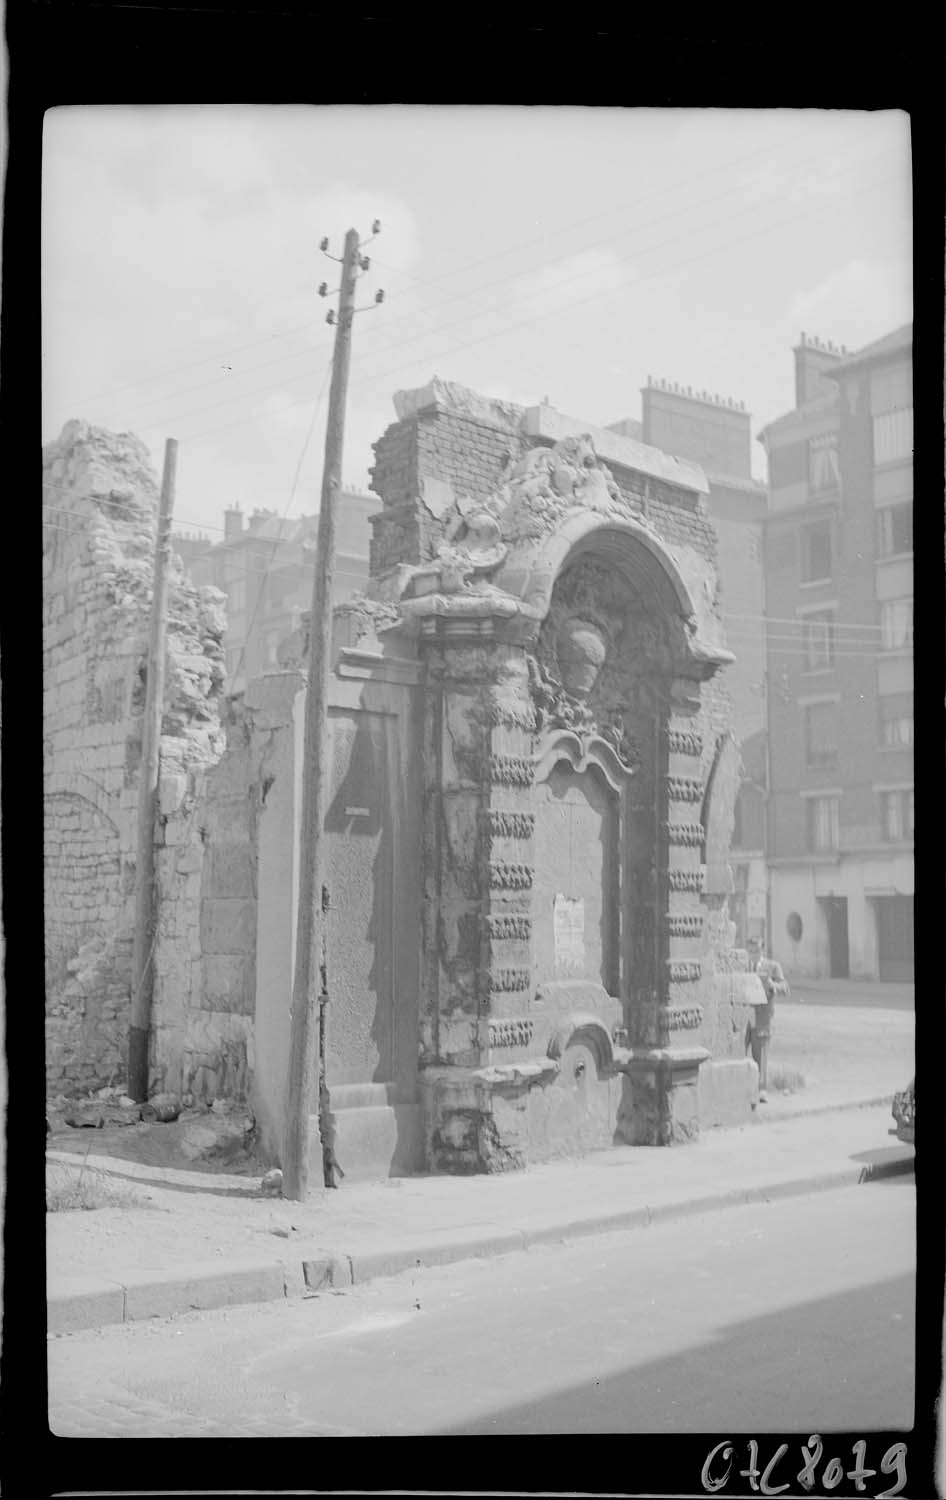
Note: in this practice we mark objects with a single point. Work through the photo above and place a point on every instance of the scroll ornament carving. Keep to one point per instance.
(536, 492)
(510, 770)
(512, 877)
(683, 1017)
(508, 979)
(685, 880)
(684, 970)
(560, 694)
(684, 742)
(510, 925)
(514, 1032)
(684, 789)
(689, 835)
(504, 823)
(685, 925)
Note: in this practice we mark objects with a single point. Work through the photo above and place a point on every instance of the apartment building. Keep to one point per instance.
(264, 566)
(838, 560)
(715, 432)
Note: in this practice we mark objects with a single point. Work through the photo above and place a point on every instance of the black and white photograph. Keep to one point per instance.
(478, 782)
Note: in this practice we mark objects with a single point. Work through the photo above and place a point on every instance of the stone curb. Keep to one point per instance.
(91, 1302)
(805, 1113)
(85, 1302)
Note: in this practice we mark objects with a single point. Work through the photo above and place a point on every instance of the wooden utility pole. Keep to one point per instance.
(303, 1077)
(142, 970)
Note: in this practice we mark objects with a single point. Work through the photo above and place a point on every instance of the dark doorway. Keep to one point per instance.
(835, 911)
(894, 938)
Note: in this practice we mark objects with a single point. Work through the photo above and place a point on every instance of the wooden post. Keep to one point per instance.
(303, 1076)
(142, 970)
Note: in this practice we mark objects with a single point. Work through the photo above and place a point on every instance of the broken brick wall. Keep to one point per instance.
(100, 499)
(451, 441)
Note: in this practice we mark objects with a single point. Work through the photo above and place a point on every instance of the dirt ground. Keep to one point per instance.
(154, 1144)
(831, 1054)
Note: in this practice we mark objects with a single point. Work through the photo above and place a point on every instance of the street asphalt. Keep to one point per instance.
(794, 1315)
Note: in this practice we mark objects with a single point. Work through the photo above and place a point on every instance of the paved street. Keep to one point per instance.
(867, 993)
(796, 1314)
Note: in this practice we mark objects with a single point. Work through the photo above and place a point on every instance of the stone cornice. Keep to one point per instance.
(613, 448)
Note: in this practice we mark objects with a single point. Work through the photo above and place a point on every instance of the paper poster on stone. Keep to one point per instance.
(568, 913)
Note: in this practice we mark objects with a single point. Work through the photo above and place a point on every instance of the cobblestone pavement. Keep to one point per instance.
(111, 1411)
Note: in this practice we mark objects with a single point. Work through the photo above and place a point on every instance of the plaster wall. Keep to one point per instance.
(859, 880)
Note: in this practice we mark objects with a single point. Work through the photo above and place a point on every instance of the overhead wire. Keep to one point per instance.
(873, 651)
(382, 376)
(608, 212)
(862, 632)
(479, 313)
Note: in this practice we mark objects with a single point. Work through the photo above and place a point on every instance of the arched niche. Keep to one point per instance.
(579, 799)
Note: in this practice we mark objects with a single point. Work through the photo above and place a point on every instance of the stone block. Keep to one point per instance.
(228, 984)
(327, 1271)
(171, 792)
(227, 926)
(227, 819)
(728, 1091)
(232, 872)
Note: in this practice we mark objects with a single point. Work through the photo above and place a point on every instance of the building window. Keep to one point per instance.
(233, 661)
(896, 720)
(896, 624)
(272, 644)
(816, 552)
(823, 469)
(236, 596)
(821, 734)
(893, 436)
(897, 816)
(819, 640)
(895, 529)
(823, 824)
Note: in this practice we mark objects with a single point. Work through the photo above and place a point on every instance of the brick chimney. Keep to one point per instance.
(232, 523)
(812, 357)
(709, 429)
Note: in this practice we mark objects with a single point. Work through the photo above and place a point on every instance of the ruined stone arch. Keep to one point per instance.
(626, 542)
(77, 784)
(82, 868)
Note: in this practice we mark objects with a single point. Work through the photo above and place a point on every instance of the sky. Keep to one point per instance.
(532, 253)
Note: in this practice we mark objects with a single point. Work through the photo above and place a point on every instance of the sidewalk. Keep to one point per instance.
(199, 1240)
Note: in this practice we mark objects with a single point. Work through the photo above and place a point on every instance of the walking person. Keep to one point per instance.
(760, 1028)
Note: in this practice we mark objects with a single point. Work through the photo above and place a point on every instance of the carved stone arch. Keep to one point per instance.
(82, 878)
(77, 784)
(531, 575)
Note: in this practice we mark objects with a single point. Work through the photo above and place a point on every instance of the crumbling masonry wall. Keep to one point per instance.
(205, 955)
(684, 1004)
(448, 441)
(100, 497)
